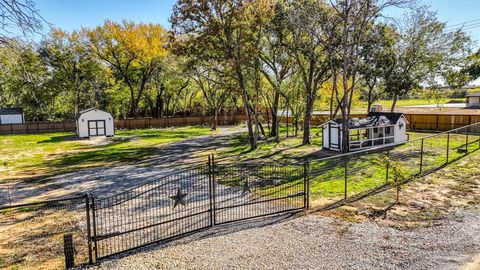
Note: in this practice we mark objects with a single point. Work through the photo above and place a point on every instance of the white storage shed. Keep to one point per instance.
(378, 128)
(93, 122)
(11, 116)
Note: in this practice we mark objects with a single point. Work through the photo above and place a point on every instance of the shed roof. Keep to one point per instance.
(10, 111)
(474, 94)
(85, 111)
(373, 119)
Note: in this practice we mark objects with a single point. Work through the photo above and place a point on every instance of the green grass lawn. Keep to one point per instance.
(31, 155)
(365, 172)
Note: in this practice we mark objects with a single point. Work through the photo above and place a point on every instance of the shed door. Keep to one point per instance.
(96, 128)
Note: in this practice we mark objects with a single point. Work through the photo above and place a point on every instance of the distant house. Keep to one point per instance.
(473, 100)
(378, 128)
(12, 116)
(93, 122)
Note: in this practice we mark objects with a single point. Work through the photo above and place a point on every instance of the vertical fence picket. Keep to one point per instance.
(306, 183)
(211, 191)
(89, 229)
(214, 192)
(94, 223)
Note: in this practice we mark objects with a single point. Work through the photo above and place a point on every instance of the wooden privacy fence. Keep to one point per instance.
(45, 127)
(419, 122)
(423, 122)
(440, 122)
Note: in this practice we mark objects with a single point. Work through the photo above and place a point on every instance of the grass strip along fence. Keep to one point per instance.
(352, 176)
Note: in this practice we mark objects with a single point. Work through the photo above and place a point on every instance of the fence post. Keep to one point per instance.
(11, 129)
(89, 231)
(421, 158)
(306, 185)
(448, 145)
(345, 177)
(210, 186)
(68, 250)
(94, 222)
(213, 190)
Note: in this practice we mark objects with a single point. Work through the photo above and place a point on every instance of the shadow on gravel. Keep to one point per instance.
(215, 231)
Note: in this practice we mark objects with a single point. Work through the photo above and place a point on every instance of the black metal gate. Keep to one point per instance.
(244, 191)
(194, 199)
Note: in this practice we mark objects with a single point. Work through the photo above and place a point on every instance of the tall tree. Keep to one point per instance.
(424, 50)
(375, 57)
(306, 42)
(353, 26)
(221, 30)
(80, 78)
(133, 51)
(277, 61)
(19, 16)
(215, 89)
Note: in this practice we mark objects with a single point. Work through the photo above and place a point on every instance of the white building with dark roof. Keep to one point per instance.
(11, 116)
(377, 129)
(473, 100)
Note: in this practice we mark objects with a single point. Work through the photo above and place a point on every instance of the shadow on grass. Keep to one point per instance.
(107, 154)
(60, 138)
(88, 159)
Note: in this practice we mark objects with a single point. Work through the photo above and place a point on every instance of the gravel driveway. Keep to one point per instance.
(314, 242)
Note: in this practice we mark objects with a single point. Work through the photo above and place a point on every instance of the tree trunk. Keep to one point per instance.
(307, 119)
(248, 112)
(215, 120)
(296, 127)
(395, 98)
(369, 99)
(274, 112)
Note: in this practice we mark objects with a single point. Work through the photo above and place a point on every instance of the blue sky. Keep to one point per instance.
(73, 14)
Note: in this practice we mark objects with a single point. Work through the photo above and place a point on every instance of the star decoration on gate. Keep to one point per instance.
(179, 198)
(246, 188)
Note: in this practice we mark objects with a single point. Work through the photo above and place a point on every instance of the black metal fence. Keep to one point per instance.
(81, 230)
(44, 235)
(194, 199)
(355, 175)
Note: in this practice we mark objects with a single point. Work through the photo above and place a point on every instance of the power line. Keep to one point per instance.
(461, 24)
(473, 26)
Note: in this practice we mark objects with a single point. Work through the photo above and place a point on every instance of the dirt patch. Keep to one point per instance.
(474, 265)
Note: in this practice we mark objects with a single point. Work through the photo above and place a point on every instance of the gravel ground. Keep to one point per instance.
(314, 242)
